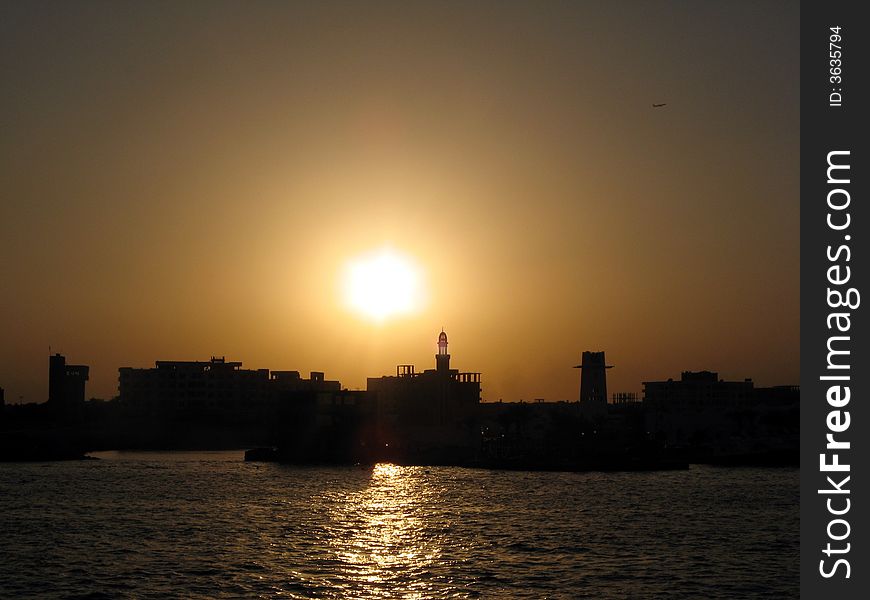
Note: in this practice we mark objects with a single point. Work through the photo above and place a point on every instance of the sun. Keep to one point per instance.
(382, 284)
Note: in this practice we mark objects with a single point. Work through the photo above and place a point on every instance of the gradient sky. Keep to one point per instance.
(185, 179)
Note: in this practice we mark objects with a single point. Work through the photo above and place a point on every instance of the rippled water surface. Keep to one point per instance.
(206, 525)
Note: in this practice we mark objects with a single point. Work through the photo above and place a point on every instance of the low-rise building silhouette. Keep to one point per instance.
(714, 418)
(697, 391)
(216, 388)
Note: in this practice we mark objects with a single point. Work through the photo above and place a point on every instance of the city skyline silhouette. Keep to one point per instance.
(428, 416)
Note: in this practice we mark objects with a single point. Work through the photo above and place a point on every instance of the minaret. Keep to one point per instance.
(442, 359)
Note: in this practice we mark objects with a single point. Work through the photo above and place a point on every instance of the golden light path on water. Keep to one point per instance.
(391, 546)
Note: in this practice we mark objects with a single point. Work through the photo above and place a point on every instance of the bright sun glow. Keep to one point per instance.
(382, 284)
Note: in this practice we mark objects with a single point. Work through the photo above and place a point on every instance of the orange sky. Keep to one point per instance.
(187, 179)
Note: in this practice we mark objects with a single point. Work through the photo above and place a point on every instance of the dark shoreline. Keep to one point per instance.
(593, 464)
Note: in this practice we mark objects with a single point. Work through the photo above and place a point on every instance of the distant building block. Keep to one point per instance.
(66, 383)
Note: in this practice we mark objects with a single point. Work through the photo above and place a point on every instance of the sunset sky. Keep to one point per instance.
(188, 179)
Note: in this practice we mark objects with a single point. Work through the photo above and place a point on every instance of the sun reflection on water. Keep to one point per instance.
(389, 549)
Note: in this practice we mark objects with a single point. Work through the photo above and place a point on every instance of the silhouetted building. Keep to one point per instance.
(716, 418)
(697, 391)
(593, 384)
(66, 383)
(428, 415)
(212, 389)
